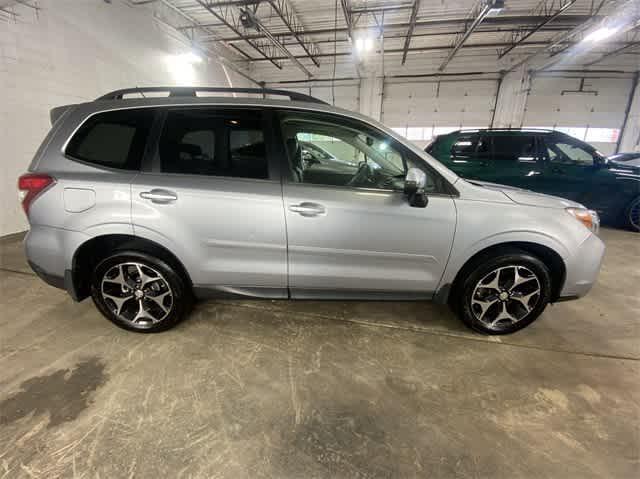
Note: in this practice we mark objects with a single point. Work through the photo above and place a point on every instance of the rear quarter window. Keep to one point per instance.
(115, 139)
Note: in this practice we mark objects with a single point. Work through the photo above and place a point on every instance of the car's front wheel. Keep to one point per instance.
(632, 215)
(139, 292)
(504, 293)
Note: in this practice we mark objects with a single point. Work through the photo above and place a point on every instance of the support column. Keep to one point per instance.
(630, 133)
(371, 89)
(512, 99)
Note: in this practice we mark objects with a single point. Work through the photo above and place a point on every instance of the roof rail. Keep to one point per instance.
(519, 128)
(191, 91)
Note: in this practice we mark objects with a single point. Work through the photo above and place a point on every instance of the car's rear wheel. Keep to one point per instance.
(504, 293)
(139, 292)
(632, 214)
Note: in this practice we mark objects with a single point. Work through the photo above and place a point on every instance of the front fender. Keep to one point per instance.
(483, 225)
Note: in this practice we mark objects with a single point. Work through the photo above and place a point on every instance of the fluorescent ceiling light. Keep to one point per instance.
(364, 43)
(181, 67)
(190, 57)
(496, 6)
(600, 34)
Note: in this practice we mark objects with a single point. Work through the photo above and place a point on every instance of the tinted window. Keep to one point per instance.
(115, 139)
(323, 151)
(247, 151)
(470, 146)
(213, 142)
(465, 146)
(514, 148)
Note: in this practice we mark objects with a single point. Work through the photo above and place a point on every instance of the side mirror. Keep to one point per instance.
(414, 184)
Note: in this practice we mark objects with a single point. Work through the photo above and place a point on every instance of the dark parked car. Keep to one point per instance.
(545, 161)
(626, 158)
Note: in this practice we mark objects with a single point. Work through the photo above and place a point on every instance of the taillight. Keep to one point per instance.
(30, 186)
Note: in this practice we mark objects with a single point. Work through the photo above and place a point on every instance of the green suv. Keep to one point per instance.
(548, 162)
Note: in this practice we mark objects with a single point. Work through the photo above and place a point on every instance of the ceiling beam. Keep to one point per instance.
(549, 10)
(280, 46)
(492, 45)
(193, 25)
(229, 16)
(288, 16)
(412, 24)
(624, 17)
(507, 21)
(618, 51)
(348, 17)
(478, 14)
(216, 54)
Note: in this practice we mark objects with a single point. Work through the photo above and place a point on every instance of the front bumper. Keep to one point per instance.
(583, 268)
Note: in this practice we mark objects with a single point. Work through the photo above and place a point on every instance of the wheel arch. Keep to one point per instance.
(94, 250)
(551, 258)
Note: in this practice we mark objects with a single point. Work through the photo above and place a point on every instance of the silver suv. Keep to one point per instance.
(147, 203)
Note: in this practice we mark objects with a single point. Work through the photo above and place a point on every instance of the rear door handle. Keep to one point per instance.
(308, 209)
(159, 196)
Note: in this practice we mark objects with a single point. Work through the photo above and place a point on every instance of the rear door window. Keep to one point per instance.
(465, 146)
(471, 147)
(210, 142)
(115, 139)
(520, 148)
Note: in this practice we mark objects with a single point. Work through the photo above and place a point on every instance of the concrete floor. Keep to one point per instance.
(320, 389)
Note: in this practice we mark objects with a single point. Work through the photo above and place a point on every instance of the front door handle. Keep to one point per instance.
(308, 209)
(159, 196)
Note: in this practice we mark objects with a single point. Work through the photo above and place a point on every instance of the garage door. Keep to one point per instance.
(421, 110)
(589, 109)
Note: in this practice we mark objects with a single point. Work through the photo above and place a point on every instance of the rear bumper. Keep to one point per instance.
(583, 268)
(50, 279)
(49, 253)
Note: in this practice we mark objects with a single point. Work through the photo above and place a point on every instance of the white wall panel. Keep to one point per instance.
(346, 96)
(72, 52)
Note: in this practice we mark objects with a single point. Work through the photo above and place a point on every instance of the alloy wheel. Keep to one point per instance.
(136, 293)
(505, 296)
(634, 214)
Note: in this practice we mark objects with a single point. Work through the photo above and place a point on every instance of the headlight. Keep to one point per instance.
(589, 218)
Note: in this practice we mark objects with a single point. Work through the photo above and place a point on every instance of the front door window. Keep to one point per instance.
(568, 152)
(321, 152)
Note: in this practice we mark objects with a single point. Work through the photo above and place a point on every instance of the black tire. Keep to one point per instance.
(472, 296)
(632, 215)
(165, 300)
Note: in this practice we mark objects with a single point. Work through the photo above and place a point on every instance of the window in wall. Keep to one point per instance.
(602, 135)
(576, 132)
(212, 142)
(415, 133)
(400, 130)
(443, 130)
(115, 139)
(428, 133)
(514, 148)
(590, 134)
